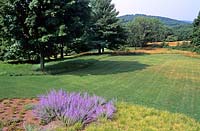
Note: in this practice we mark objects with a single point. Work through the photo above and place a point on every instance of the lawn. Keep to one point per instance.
(137, 118)
(168, 82)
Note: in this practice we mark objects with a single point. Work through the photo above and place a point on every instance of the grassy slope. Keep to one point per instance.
(167, 82)
(137, 118)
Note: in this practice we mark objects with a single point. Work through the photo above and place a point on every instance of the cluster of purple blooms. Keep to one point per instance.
(72, 108)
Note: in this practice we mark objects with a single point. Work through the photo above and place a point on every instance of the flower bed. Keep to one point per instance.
(72, 108)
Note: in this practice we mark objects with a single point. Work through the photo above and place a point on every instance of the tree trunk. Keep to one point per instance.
(41, 60)
(99, 48)
(102, 49)
(29, 56)
(61, 51)
(141, 45)
(135, 45)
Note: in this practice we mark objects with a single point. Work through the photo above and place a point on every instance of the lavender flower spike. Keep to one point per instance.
(72, 108)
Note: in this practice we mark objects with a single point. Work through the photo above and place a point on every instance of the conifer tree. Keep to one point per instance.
(106, 28)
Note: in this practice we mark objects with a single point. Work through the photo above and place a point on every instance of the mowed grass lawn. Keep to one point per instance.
(163, 81)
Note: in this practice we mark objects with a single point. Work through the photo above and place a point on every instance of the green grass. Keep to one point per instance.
(137, 118)
(163, 81)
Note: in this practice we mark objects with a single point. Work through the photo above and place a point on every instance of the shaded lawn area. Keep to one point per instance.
(163, 81)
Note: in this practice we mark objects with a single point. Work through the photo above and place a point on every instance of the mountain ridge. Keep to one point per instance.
(167, 21)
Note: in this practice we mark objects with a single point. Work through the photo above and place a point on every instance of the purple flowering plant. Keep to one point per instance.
(72, 108)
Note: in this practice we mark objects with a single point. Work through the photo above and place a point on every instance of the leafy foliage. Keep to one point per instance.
(40, 26)
(143, 30)
(182, 30)
(196, 34)
(171, 38)
(72, 108)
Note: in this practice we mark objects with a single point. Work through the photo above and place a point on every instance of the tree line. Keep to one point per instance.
(39, 29)
(178, 30)
(35, 29)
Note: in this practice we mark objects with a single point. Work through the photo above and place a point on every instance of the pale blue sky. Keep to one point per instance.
(177, 9)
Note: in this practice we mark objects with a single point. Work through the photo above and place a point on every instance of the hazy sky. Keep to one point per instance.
(178, 9)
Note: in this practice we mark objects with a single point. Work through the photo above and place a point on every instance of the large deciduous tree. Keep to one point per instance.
(143, 30)
(196, 34)
(39, 25)
(106, 30)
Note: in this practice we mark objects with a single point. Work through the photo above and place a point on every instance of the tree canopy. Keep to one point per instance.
(40, 25)
(106, 29)
(196, 34)
(143, 30)
(39, 29)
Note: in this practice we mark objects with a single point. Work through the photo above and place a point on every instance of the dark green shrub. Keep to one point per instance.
(171, 38)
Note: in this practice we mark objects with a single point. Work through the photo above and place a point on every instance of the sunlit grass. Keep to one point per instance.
(137, 118)
(162, 81)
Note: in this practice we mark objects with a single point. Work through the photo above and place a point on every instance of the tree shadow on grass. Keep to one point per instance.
(93, 67)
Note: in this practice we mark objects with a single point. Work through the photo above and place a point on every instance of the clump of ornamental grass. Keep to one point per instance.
(72, 108)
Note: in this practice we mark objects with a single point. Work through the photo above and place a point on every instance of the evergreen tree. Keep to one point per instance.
(196, 34)
(106, 28)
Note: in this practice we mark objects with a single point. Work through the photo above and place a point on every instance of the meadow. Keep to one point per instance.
(168, 82)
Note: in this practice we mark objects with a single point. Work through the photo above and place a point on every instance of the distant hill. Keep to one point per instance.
(167, 21)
